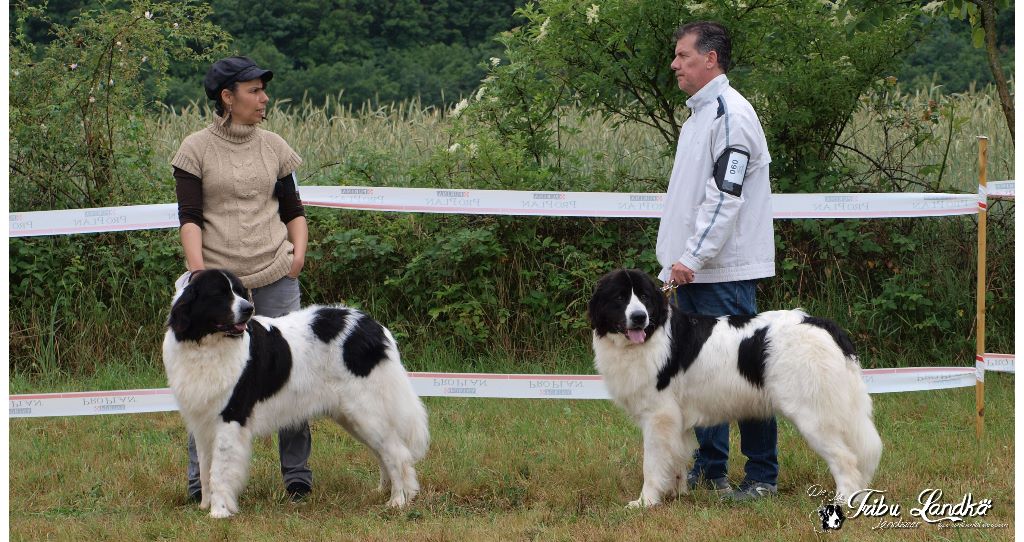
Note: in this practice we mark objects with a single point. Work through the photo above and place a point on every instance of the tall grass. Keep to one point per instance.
(380, 146)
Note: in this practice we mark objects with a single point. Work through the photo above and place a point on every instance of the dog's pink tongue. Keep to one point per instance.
(636, 335)
(240, 327)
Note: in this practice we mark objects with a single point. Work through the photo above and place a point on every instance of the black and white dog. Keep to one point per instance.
(672, 371)
(236, 376)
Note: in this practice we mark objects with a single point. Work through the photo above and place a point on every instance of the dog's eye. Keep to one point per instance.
(643, 297)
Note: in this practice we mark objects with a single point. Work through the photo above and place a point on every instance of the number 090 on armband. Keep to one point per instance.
(730, 168)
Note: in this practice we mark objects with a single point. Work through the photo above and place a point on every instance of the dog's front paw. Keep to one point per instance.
(643, 502)
(204, 504)
(398, 500)
(220, 512)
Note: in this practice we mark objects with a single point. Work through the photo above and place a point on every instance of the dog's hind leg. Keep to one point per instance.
(396, 461)
(229, 469)
(396, 465)
(385, 480)
(827, 439)
(681, 470)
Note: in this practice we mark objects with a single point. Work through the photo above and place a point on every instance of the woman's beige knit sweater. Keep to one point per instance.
(238, 166)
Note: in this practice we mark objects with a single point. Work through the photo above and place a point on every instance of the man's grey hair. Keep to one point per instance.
(711, 36)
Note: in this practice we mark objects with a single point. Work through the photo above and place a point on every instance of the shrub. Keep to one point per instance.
(77, 134)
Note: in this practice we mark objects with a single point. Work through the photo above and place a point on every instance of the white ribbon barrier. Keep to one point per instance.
(510, 202)
(95, 220)
(503, 386)
(1001, 189)
(1003, 363)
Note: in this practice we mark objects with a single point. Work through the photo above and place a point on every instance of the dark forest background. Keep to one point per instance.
(378, 52)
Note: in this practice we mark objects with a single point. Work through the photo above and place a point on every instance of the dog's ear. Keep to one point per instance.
(591, 305)
(179, 319)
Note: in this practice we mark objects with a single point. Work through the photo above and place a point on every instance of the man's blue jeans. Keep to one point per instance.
(758, 438)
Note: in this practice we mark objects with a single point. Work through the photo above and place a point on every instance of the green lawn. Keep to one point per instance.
(496, 470)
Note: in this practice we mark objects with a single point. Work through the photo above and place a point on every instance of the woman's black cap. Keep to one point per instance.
(229, 70)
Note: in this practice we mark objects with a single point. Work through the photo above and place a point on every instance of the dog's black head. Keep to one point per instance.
(832, 517)
(214, 301)
(627, 301)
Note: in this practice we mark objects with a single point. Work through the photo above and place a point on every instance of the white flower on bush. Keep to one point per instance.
(149, 14)
(73, 66)
(480, 93)
(472, 149)
(696, 9)
(543, 29)
(592, 13)
(92, 99)
(175, 25)
(931, 7)
(454, 148)
(459, 107)
(495, 61)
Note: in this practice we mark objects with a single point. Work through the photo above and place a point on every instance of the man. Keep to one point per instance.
(715, 239)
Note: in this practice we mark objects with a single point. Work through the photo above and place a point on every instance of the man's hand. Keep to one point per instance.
(680, 274)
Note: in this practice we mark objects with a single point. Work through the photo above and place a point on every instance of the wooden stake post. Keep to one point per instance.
(979, 352)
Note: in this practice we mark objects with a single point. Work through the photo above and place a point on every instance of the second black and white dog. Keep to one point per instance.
(236, 376)
(673, 371)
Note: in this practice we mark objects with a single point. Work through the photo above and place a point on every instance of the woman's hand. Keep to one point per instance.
(297, 264)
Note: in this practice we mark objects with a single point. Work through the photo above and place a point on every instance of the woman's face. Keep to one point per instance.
(248, 103)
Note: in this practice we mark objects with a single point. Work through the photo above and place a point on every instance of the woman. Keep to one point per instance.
(239, 209)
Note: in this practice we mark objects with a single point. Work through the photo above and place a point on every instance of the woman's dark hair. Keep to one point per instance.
(219, 104)
(711, 36)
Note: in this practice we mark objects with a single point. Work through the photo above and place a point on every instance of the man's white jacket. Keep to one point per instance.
(721, 237)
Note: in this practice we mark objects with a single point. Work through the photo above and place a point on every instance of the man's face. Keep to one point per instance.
(692, 68)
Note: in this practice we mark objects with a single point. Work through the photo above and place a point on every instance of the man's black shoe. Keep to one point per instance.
(298, 491)
(196, 496)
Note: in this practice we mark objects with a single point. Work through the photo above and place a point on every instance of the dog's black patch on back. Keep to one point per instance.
(365, 347)
(752, 354)
(266, 372)
(739, 320)
(689, 333)
(328, 322)
(838, 335)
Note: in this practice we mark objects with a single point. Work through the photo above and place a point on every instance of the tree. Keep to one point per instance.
(77, 103)
(982, 16)
(803, 65)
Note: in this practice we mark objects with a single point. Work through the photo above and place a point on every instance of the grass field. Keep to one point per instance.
(497, 470)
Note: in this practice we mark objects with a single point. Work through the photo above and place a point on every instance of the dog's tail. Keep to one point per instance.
(416, 433)
(863, 437)
(410, 414)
